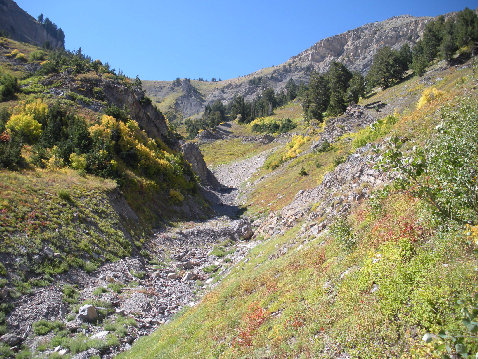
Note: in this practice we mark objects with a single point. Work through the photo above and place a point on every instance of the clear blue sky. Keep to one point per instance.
(162, 40)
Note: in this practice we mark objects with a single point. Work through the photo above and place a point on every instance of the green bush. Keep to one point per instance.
(38, 55)
(374, 131)
(65, 195)
(10, 151)
(44, 326)
(70, 294)
(275, 126)
(342, 232)
(462, 342)
(8, 87)
(444, 171)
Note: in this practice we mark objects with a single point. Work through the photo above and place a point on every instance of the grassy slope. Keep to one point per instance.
(320, 298)
(41, 208)
(83, 218)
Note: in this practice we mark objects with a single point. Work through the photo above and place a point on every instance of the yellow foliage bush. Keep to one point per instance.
(55, 160)
(78, 162)
(472, 233)
(25, 126)
(14, 53)
(294, 147)
(38, 109)
(429, 94)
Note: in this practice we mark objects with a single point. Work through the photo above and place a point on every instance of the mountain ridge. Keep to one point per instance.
(354, 48)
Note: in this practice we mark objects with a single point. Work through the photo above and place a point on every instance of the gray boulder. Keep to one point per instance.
(87, 313)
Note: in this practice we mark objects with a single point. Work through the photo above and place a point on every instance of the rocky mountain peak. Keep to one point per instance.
(354, 48)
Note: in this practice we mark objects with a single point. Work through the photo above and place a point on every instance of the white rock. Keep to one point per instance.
(100, 335)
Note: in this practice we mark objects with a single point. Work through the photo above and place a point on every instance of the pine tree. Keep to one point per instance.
(419, 60)
(291, 89)
(466, 28)
(356, 88)
(338, 77)
(386, 68)
(317, 97)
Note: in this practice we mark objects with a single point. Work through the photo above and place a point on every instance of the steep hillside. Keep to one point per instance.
(354, 48)
(89, 169)
(345, 231)
(354, 254)
(19, 25)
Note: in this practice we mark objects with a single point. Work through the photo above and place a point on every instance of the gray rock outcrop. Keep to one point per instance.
(193, 155)
(20, 26)
(354, 48)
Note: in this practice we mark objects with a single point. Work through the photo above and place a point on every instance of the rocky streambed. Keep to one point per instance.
(102, 312)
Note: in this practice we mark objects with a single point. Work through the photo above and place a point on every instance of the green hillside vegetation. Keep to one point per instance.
(394, 278)
(379, 279)
(78, 173)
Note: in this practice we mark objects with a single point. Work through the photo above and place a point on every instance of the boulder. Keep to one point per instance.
(87, 313)
(190, 276)
(173, 276)
(243, 229)
(100, 335)
(11, 339)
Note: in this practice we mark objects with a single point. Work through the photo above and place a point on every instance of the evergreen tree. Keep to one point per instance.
(448, 44)
(466, 28)
(419, 60)
(405, 57)
(432, 37)
(338, 77)
(238, 107)
(386, 68)
(291, 88)
(356, 88)
(317, 97)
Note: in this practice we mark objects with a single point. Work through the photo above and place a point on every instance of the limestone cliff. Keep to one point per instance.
(354, 48)
(19, 25)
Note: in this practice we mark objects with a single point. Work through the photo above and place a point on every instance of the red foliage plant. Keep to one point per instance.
(252, 320)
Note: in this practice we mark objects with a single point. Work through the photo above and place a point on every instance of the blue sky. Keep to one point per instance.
(162, 40)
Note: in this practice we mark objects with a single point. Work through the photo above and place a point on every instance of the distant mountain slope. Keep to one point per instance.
(18, 25)
(354, 48)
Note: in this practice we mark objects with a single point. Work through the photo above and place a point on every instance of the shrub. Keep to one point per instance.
(24, 126)
(444, 172)
(70, 294)
(78, 162)
(270, 125)
(38, 55)
(429, 94)
(342, 232)
(65, 195)
(374, 131)
(21, 56)
(8, 87)
(10, 151)
(461, 343)
(176, 196)
(323, 147)
(43, 326)
(37, 108)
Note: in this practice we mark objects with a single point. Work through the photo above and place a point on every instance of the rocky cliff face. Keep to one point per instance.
(19, 25)
(354, 48)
